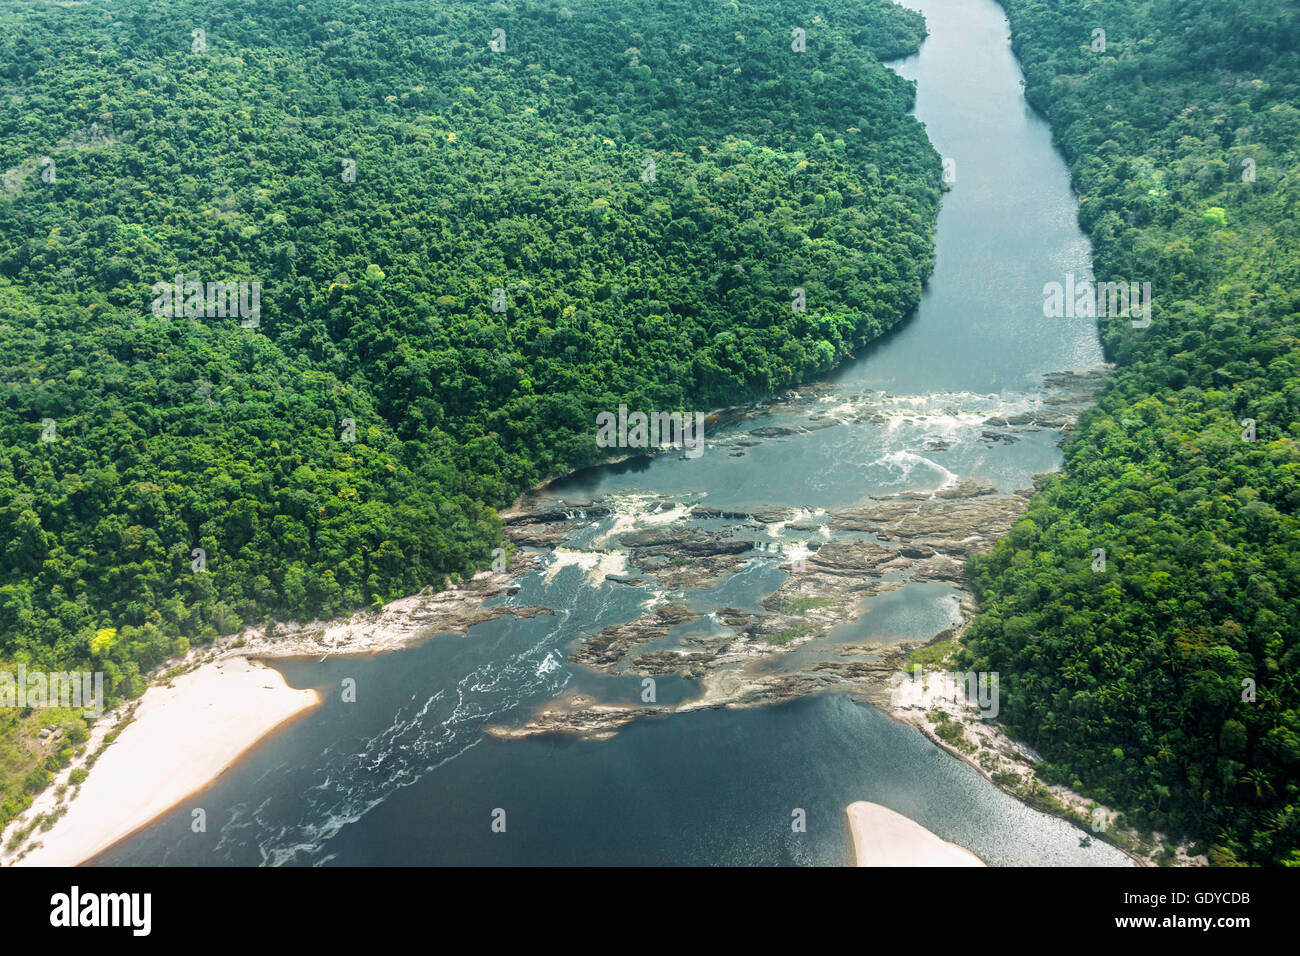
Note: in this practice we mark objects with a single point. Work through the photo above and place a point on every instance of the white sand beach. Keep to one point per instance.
(882, 837)
(184, 735)
(187, 731)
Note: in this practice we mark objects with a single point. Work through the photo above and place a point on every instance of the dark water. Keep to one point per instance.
(405, 774)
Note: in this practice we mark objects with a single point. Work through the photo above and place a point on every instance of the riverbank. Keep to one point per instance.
(146, 756)
(790, 644)
(178, 738)
(1009, 765)
(882, 837)
(759, 574)
(806, 635)
(200, 715)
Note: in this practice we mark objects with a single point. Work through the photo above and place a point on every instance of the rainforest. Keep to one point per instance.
(467, 254)
(446, 246)
(1164, 678)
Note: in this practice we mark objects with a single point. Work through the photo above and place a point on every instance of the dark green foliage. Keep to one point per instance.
(1131, 678)
(522, 170)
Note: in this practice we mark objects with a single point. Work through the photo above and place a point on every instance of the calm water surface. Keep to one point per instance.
(406, 776)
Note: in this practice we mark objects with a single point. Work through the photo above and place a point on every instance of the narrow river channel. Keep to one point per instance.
(962, 393)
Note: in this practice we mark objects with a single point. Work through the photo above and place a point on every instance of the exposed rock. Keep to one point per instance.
(942, 568)
(551, 515)
(675, 541)
(781, 650)
(804, 526)
(916, 551)
(1024, 418)
(659, 663)
(1043, 418)
(602, 651)
(957, 527)
(595, 723)
(964, 489)
(860, 559)
(538, 535)
(733, 617)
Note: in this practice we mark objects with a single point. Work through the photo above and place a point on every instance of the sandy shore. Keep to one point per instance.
(1009, 764)
(882, 837)
(183, 736)
(184, 732)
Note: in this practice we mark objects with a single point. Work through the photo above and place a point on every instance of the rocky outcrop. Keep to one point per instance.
(539, 535)
(681, 542)
(791, 643)
(604, 650)
(658, 663)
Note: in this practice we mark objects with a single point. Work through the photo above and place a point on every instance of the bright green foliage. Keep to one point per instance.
(1131, 678)
(523, 170)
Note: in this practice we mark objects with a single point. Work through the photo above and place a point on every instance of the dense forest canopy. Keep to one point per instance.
(472, 228)
(1164, 677)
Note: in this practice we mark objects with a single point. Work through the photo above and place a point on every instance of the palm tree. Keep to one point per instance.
(1259, 780)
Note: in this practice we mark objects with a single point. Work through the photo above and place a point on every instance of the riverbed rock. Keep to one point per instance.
(675, 541)
(658, 663)
(539, 535)
(604, 650)
(563, 512)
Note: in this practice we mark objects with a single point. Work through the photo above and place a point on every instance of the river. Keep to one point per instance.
(406, 774)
